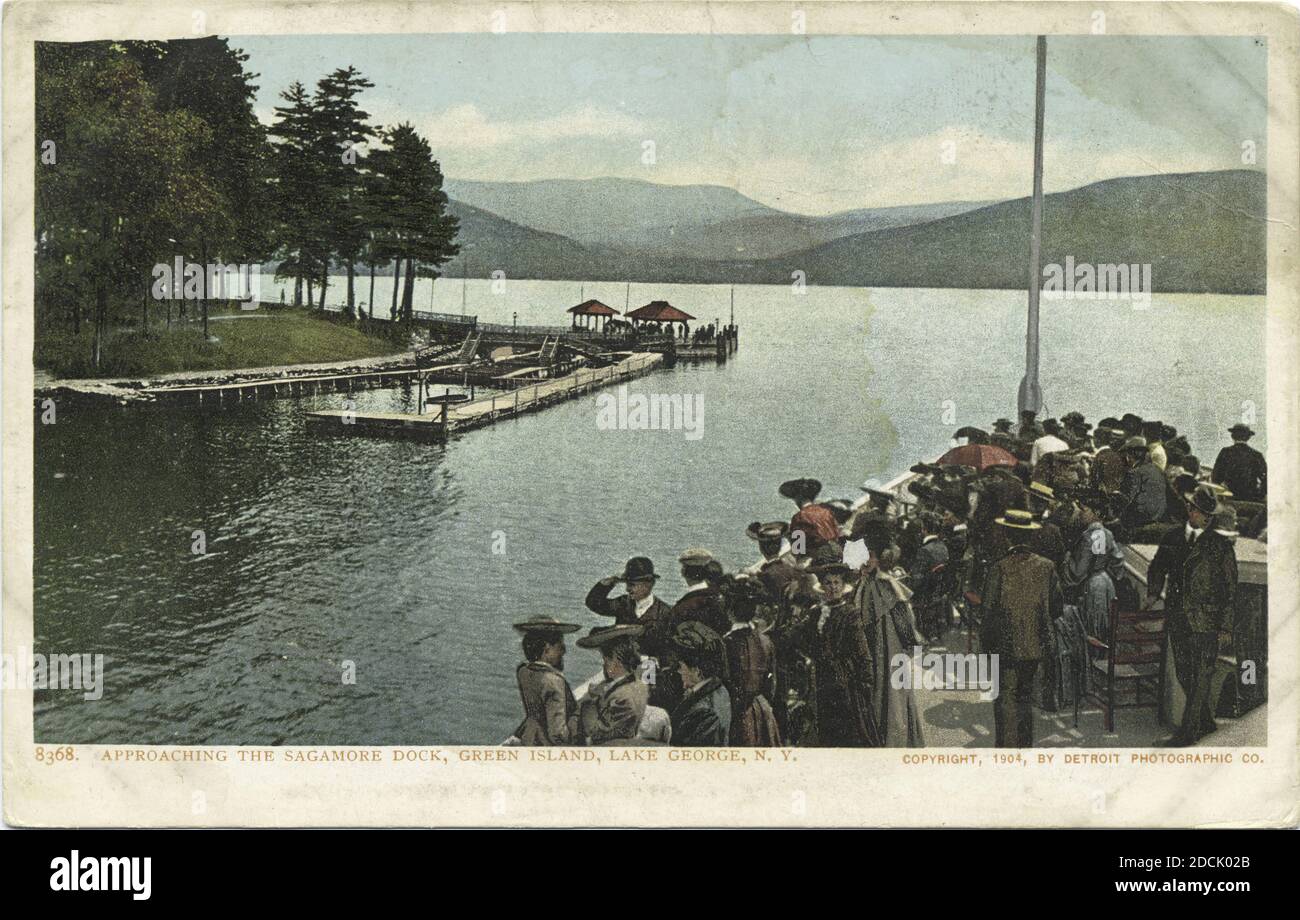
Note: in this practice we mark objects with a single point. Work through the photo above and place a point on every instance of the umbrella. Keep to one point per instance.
(979, 456)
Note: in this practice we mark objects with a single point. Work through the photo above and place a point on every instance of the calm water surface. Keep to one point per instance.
(325, 550)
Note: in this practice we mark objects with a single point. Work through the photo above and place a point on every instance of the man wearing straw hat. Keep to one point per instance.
(1022, 598)
(550, 712)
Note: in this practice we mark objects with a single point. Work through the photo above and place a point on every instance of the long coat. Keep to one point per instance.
(845, 672)
(887, 618)
(621, 608)
(1166, 569)
(550, 712)
(1243, 470)
(751, 662)
(612, 710)
(703, 717)
(1210, 583)
(1022, 598)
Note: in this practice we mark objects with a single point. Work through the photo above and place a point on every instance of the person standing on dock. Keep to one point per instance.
(844, 667)
(702, 601)
(637, 604)
(612, 709)
(1108, 466)
(1050, 442)
(751, 668)
(550, 712)
(884, 607)
(702, 718)
(1021, 600)
(813, 524)
(1242, 468)
(1208, 606)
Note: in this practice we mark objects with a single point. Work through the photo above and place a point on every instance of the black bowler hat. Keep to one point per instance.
(639, 568)
(1241, 432)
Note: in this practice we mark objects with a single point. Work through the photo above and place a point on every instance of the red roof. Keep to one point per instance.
(592, 308)
(660, 311)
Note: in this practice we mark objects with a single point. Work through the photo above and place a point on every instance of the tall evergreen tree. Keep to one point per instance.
(342, 130)
(423, 233)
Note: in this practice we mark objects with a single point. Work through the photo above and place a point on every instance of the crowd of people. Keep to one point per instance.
(800, 647)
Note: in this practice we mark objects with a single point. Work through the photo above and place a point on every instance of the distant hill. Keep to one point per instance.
(772, 234)
(606, 212)
(491, 242)
(675, 221)
(1202, 232)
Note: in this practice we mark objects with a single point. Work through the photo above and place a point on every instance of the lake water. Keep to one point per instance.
(324, 550)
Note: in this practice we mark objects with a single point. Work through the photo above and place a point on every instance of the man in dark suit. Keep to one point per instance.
(1242, 468)
(928, 600)
(638, 603)
(1142, 496)
(1022, 598)
(1209, 602)
(1166, 574)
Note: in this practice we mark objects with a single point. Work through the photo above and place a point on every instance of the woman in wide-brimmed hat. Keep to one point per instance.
(550, 712)
(612, 709)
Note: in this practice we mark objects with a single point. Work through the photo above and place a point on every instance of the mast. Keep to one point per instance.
(1031, 396)
(464, 283)
(733, 305)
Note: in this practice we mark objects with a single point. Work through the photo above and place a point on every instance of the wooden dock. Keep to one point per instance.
(219, 394)
(484, 410)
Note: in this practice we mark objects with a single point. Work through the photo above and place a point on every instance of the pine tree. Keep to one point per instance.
(423, 233)
(341, 128)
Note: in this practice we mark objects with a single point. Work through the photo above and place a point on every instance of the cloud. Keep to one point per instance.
(465, 127)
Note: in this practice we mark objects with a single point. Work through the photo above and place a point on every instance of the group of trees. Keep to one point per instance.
(152, 150)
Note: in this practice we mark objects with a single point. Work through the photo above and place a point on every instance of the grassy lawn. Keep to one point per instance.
(256, 339)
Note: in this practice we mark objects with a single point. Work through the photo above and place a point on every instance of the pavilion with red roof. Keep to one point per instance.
(595, 312)
(659, 311)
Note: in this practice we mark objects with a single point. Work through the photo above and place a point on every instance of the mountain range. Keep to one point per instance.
(1201, 232)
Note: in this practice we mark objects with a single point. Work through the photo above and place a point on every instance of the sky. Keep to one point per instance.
(807, 124)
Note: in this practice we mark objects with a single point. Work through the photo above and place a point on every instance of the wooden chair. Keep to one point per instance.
(1133, 653)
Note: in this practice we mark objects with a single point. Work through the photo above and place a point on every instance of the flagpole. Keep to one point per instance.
(1030, 396)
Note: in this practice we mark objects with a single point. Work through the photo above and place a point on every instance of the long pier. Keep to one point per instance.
(478, 413)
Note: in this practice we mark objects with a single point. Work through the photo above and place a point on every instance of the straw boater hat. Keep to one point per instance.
(545, 625)
(1016, 519)
(773, 530)
(800, 489)
(603, 635)
(696, 555)
(1135, 443)
(1042, 491)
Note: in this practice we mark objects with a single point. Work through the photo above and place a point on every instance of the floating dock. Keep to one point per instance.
(436, 425)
